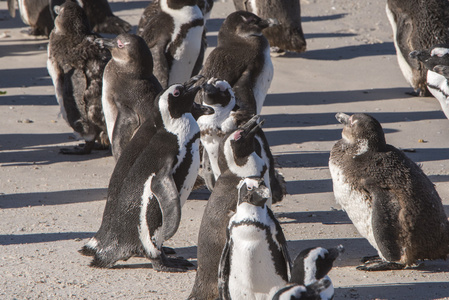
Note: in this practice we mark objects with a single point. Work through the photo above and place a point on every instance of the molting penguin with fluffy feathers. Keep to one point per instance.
(387, 196)
(76, 63)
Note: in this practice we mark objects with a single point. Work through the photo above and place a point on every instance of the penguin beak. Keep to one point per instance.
(190, 84)
(260, 195)
(251, 127)
(105, 43)
(209, 89)
(342, 118)
(335, 252)
(268, 23)
(199, 110)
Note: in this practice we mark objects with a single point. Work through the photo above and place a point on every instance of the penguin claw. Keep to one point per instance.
(381, 266)
(170, 265)
(370, 259)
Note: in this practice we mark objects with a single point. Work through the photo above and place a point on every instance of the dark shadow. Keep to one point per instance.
(214, 24)
(349, 52)
(303, 159)
(439, 178)
(52, 198)
(331, 217)
(18, 141)
(212, 41)
(128, 5)
(27, 47)
(301, 187)
(428, 154)
(18, 239)
(28, 100)
(332, 97)
(322, 18)
(199, 194)
(24, 78)
(418, 290)
(327, 35)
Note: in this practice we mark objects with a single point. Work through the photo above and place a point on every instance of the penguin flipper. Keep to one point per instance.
(245, 94)
(283, 244)
(385, 222)
(224, 270)
(403, 35)
(124, 128)
(165, 191)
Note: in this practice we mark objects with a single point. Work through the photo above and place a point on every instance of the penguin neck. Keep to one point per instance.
(221, 120)
(253, 166)
(248, 212)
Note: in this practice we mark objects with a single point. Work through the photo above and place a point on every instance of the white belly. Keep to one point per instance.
(192, 174)
(24, 14)
(109, 109)
(263, 83)
(186, 56)
(437, 80)
(252, 271)
(211, 143)
(354, 203)
(403, 64)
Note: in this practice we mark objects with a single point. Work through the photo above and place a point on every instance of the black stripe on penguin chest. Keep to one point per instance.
(182, 172)
(180, 37)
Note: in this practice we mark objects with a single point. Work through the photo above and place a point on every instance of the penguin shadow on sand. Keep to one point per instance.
(24, 77)
(350, 52)
(34, 238)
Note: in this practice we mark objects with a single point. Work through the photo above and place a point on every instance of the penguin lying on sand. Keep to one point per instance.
(255, 259)
(129, 88)
(76, 63)
(173, 31)
(150, 183)
(436, 60)
(417, 24)
(242, 58)
(387, 196)
(218, 95)
(238, 160)
(287, 35)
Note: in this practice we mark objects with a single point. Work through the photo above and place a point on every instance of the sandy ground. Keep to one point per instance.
(51, 203)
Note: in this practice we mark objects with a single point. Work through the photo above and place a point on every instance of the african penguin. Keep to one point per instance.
(387, 196)
(417, 24)
(75, 64)
(150, 183)
(129, 88)
(436, 60)
(287, 35)
(35, 13)
(312, 265)
(255, 259)
(249, 69)
(219, 95)
(239, 147)
(301, 292)
(173, 31)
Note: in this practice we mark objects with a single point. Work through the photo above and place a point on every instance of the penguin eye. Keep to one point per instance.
(249, 188)
(120, 44)
(176, 93)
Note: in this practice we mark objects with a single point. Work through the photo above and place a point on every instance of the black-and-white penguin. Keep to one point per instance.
(255, 259)
(436, 60)
(35, 13)
(218, 95)
(387, 196)
(312, 265)
(287, 35)
(150, 183)
(76, 64)
(242, 58)
(239, 162)
(301, 292)
(417, 24)
(173, 31)
(129, 88)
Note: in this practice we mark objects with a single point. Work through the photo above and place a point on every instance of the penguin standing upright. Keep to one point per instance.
(237, 160)
(255, 259)
(288, 34)
(218, 95)
(35, 13)
(173, 31)
(150, 183)
(242, 58)
(436, 60)
(76, 64)
(388, 198)
(417, 24)
(129, 88)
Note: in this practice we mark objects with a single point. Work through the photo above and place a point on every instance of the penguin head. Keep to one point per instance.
(242, 140)
(217, 93)
(129, 49)
(313, 264)
(301, 292)
(437, 55)
(253, 191)
(244, 24)
(178, 99)
(179, 4)
(71, 20)
(363, 131)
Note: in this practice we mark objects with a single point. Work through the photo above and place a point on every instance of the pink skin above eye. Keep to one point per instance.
(120, 44)
(176, 93)
(237, 135)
